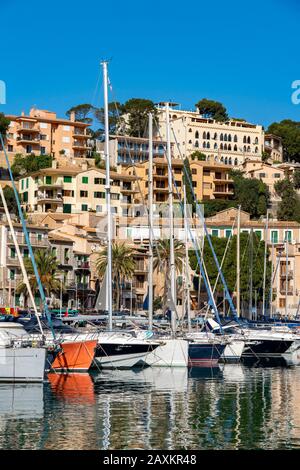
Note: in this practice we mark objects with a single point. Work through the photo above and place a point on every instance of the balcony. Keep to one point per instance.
(27, 129)
(42, 185)
(12, 261)
(140, 267)
(49, 198)
(85, 265)
(285, 274)
(28, 140)
(34, 240)
(77, 135)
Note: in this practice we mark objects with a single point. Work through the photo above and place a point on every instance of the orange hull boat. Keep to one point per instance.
(75, 356)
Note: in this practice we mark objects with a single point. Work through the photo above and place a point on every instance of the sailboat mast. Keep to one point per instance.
(108, 202)
(286, 275)
(171, 221)
(238, 268)
(265, 263)
(271, 289)
(150, 208)
(251, 276)
(187, 273)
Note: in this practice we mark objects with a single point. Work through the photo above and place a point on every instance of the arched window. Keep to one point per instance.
(225, 147)
(230, 161)
(244, 140)
(248, 140)
(215, 146)
(221, 137)
(174, 116)
(190, 141)
(256, 149)
(204, 135)
(222, 159)
(190, 130)
(208, 145)
(208, 135)
(196, 135)
(235, 138)
(256, 141)
(229, 146)
(221, 147)
(235, 161)
(204, 145)
(208, 158)
(225, 137)
(216, 158)
(235, 148)
(248, 149)
(229, 137)
(226, 161)
(245, 148)
(196, 143)
(215, 136)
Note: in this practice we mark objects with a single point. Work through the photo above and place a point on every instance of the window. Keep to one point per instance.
(13, 252)
(235, 148)
(22, 184)
(54, 251)
(43, 125)
(274, 236)
(10, 148)
(67, 179)
(115, 196)
(98, 194)
(197, 143)
(68, 193)
(228, 232)
(66, 140)
(235, 138)
(102, 180)
(258, 234)
(276, 175)
(67, 208)
(85, 180)
(196, 135)
(43, 137)
(12, 274)
(84, 193)
(98, 208)
(262, 175)
(39, 237)
(215, 232)
(43, 150)
(84, 207)
(25, 253)
(48, 179)
(66, 128)
(25, 196)
(194, 171)
(288, 236)
(27, 183)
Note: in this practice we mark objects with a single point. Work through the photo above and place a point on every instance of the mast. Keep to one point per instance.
(187, 274)
(108, 203)
(251, 276)
(265, 262)
(238, 268)
(150, 207)
(286, 275)
(271, 289)
(171, 221)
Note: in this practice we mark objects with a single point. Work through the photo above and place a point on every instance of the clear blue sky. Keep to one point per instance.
(245, 55)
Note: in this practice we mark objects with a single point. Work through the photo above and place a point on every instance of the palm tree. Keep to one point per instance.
(47, 267)
(161, 263)
(123, 265)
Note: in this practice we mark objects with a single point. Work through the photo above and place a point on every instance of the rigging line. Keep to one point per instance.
(94, 97)
(35, 269)
(201, 217)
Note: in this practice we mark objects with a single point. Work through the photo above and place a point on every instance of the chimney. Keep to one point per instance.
(72, 116)
(54, 164)
(84, 166)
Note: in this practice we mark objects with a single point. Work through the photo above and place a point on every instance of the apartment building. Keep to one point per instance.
(273, 146)
(42, 132)
(230, 142)
(127, 150)
(74, 189)
(283, 239)
(210, 180)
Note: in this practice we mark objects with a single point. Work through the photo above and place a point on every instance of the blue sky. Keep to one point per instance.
(245, 55)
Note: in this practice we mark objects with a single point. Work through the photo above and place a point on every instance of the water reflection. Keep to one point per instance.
(231, 407)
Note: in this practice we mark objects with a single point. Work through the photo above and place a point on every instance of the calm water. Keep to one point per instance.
(232, 407)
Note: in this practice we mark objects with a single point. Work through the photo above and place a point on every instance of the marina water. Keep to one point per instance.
(230, 407)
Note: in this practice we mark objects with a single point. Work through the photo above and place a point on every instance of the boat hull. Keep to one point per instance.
(172, 353)
(121, 355)
(75, 356)
(22, 364)
(265, 348)
(205, 354)
(233, 351)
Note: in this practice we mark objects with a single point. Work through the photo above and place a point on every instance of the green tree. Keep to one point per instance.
(186, 178)
(47, 266)
(4, 123)
(229, 266)
(197, 155)
(296, 179)
(212, 109)
(289, 131)
(138, 110)
(289, 206)
(212, 206)
(251, 194)
(24, 165)
(115, 111)
(10, 200)
(82, 112)
(123, 266)
(161, 262)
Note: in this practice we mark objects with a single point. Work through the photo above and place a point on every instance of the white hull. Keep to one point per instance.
(124, 360)
(174, 353)
(22, 364)
(233, 351)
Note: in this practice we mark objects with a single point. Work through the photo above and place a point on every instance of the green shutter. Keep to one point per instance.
(215, 232)
(85, 180)
(227, 233)
(48, 179)
(67, 179)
